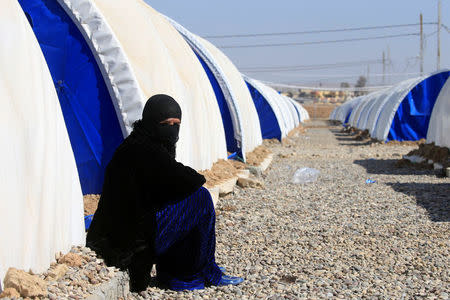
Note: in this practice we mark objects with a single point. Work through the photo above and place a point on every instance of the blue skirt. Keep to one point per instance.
(185, 242)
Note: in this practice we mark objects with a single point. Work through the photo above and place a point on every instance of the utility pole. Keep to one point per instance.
(368, 72)
(439, 36)
(384, 67)
(389, 63)
(421, 44)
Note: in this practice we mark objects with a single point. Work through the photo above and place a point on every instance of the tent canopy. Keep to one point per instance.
(88, 110)
(42, 203)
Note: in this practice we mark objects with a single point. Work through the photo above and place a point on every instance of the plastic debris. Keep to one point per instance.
(305, 175)
(370, 180)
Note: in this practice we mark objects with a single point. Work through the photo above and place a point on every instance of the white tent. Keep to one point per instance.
(356, 112)
(154, 59)
(398, 91)
(225, 86)
(345, 109)
(272, 97)
(367, 108)
(389, 107)
(251, 130)
(41, 201)
(439, 128)
(292, 116)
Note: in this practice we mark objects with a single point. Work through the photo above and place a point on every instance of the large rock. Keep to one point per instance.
(57, 272)
(226, 187)
(71, 259)
(10, 293)
(27, 285)
(249, 182)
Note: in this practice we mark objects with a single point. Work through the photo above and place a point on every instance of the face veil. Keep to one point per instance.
(157, 109)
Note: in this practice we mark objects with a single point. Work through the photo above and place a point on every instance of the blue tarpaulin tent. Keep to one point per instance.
(412, 118)
(224, 110)
(268, 121)
(89, 114)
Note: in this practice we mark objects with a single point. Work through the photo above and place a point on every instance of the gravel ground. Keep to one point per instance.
(338, 237)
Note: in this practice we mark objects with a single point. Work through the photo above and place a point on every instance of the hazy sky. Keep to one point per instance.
(232, 17)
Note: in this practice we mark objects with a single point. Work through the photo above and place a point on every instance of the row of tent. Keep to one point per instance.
(74, 77)
(415, 109)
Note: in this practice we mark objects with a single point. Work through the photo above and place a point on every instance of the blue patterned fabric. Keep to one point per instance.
(185, 243)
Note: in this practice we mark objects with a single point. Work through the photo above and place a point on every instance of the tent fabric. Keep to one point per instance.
(367, 108)
(343, 112)
(232, 141)
(398, 91)
(298, 117)
(251, 130)
(395, 92)
(425, 90)
(292, 113)
(410, 122)
(272, 98)
(88, 110)
(111, 60)
(354, 116)
(162, 62)
(268, 121)
(439, 126)
(226, 99)
(42, 203)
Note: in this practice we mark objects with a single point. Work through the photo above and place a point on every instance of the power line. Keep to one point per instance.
(367, 88)
(329, 76)
(315, 31)
(309, 67)
(318, 42)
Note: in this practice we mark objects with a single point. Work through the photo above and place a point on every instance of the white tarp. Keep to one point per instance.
(163, 62)
(292, 113)
(251, 130)
(345, 109)
(389, 107)
(367, 108)
(439, 127)
(386, 95)
(41, 202)
(219, 74)
(269, 95)
(354, 116)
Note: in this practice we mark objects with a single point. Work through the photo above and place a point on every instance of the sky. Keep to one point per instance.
(326, 64)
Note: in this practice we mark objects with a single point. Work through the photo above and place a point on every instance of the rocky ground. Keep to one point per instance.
(338, 237)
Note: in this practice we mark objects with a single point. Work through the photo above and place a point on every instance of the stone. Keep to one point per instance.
(266, 162)
(243, 174)
(255, 170)
(10, 293)
(227, 186)
(249, 183)
(57, 272)
(27, 285)
(71, 259)
(214, 191)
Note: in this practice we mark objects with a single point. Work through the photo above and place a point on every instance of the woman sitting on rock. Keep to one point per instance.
(154, 209)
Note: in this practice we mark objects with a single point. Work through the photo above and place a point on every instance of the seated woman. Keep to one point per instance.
(154, 210)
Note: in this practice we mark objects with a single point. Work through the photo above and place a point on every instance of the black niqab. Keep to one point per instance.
(157, 109)
(142, 177)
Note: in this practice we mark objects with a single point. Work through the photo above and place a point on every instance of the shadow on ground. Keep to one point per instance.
(434, 197)
(388, 167)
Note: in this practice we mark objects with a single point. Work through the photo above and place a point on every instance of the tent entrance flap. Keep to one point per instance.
(88, 111)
